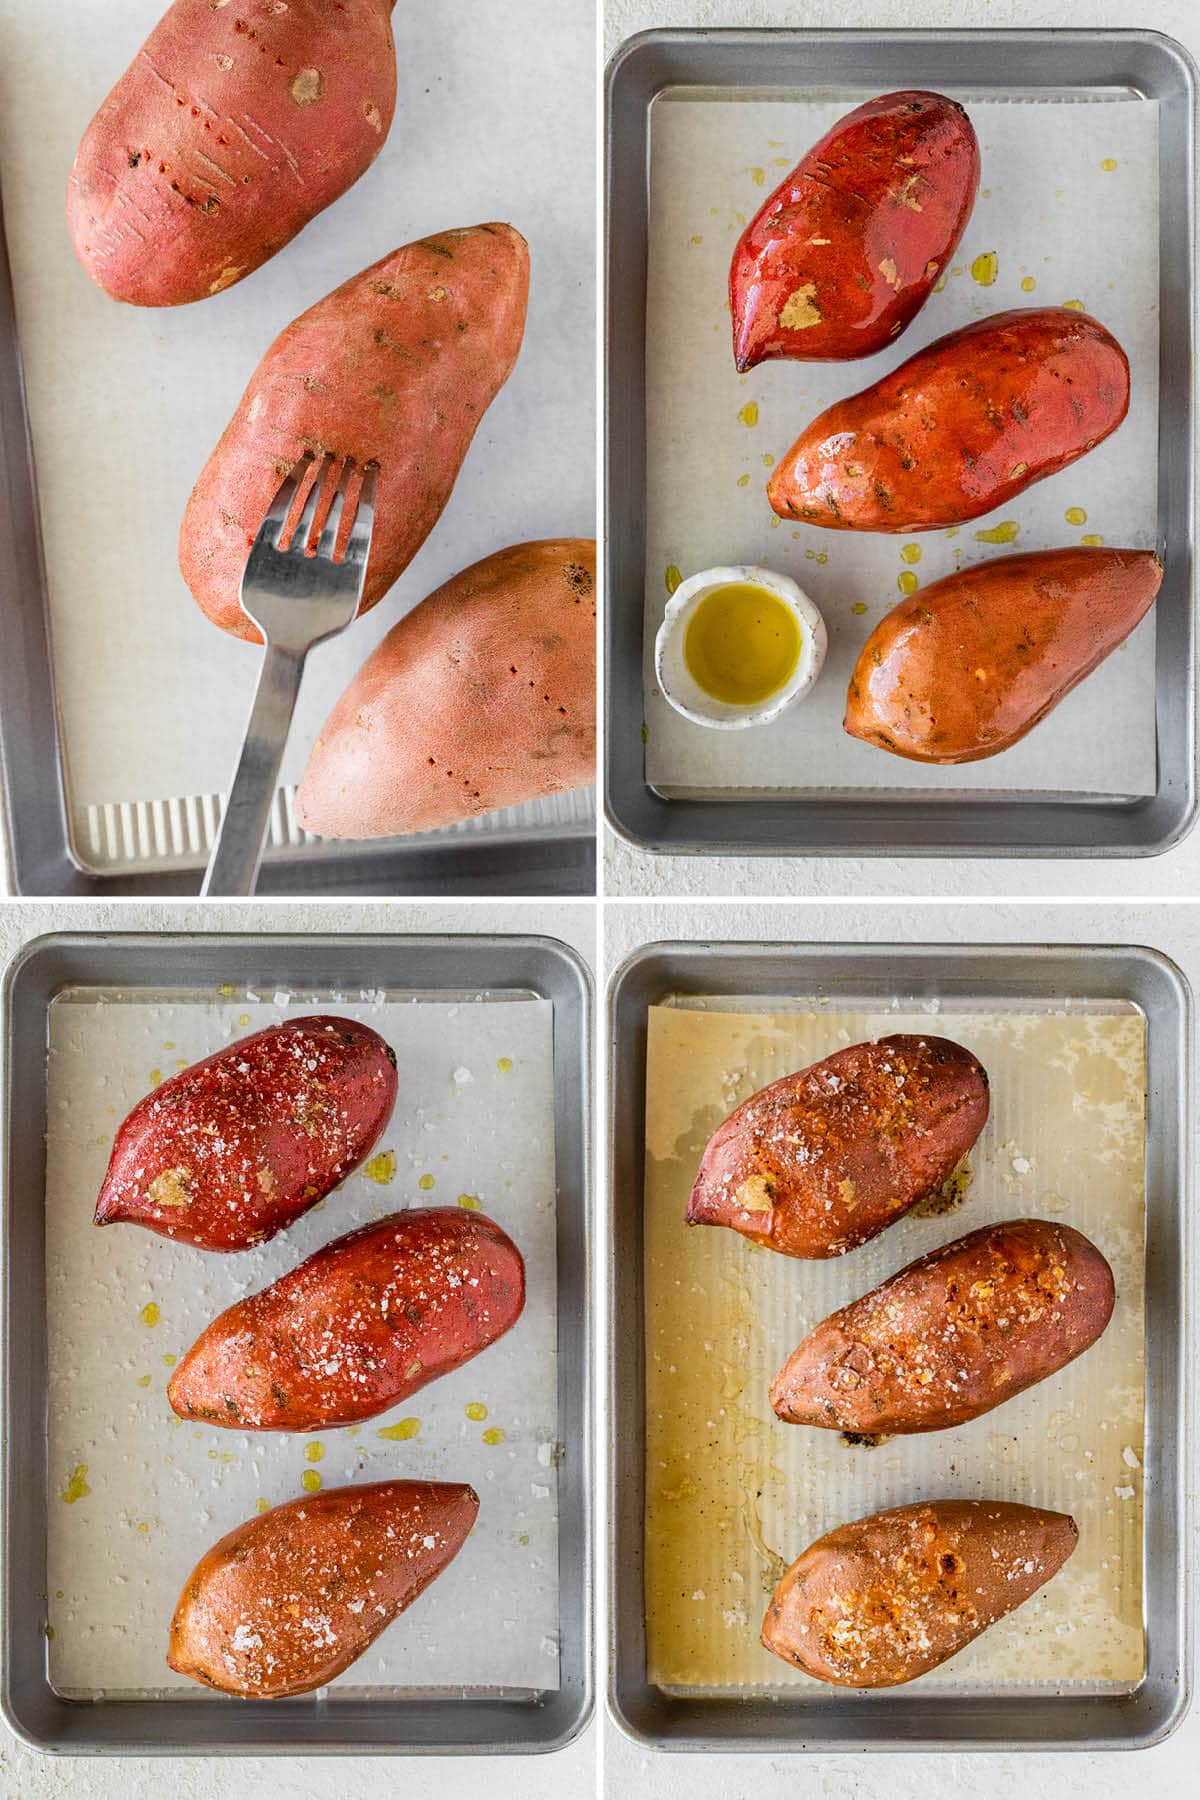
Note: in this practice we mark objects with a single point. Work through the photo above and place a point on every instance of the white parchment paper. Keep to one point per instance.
(494, 120)
(474, 1116)
(1063, 226)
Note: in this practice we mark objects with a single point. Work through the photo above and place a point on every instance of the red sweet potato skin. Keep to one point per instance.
(968, 666)
(235, 1148)
(397, 367)
(287, 1601)
(360, 1326)
(887, 1598)
(961, 427)
(232, 128)
(823, 1160)
(481, 697)
(843, 255)
(952, 1335)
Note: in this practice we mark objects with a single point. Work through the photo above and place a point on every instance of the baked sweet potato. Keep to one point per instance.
(361, 1325)
(888, 1598)
(965, 668)
(232, 128)
(396, 367)
(963, 426)
(233, 1149)
(952, 1335)
(822, 1160)
(288, 1600)
(482, 696)
(843, 255)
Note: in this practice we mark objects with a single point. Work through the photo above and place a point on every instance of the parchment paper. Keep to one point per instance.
(1054, 215)
(161, 1491)
(734, 1495)
(126, 404)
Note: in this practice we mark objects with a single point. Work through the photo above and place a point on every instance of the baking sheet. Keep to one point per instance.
(1054, 213)
(126, 404)
(733, 1495)
(137, 1495)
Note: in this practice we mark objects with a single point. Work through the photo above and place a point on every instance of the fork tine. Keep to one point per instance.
(359, 542)
(304, 525)
(285, 497)
(333, 518)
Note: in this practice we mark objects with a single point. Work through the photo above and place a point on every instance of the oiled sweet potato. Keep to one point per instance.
(482, 696)
(232, 128)
(233, 1149)
(287, 1601)
(822, 1160)
(952, 1335)
(361, 1325)
(888, 1598)
(397, 367)
(961, 427)
(965, 668)
(843, 255)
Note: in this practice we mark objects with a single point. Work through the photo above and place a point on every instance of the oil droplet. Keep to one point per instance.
(381, 1168)
(101, 1142)
(261, 1505)
(402, 1430)
(314, 1452)
(168, 1043)
(985, 268)
(469, 1202)
(860, 606)
(243, 1018)
(425, 1183)
(144, 1528)
(310, 1481)
(150, 1313)
(475, 1409)
(1108, 164)
(493, 1435)
(1074, 306)
(143, 1381)
(749, 413)
(1075, 515)
(822, 556)
(757, 176)
(1028, 284)
(1004, 533)
(939, 284)
(170, 1360)
(911, 553)
(697, 239)
(743, 481)
(504, 1064)
(155, 1077)
(645, 732)
(226, 990)
(58, 1594)
(907, 582)
(768, 462)
(1093, 538)
(672, 578)
(77, 1488)
(524, 1538)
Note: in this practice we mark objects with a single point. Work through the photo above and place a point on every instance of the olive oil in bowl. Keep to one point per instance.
(737, 646)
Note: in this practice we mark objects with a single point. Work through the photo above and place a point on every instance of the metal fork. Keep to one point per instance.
(297, 597)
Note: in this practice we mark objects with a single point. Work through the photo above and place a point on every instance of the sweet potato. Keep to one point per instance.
(952, 1335)
(961, 427)
(964, 669)
(843, 255)
(397, 366)
(287, 1601)
(232, 128)
(361, 1325)
(822, 1160)
(888, 1598)
(482, 696)
(233, 1149)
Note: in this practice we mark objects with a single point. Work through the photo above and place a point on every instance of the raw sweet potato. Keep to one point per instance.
(965, 668)
(482, 696)
(232, 1150)
(953, 1335)
(822, 1160)
(845, 252)
(287, 1601)
(888, 1598)
(396, 367)
(361, 1325)
(232, 128)
(961, 427)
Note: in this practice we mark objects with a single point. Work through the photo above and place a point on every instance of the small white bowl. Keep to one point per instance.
(688, 697)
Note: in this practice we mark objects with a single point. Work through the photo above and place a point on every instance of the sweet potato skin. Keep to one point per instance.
(823, 1160)
(966, 668)
(878, 1602)
(961, 427)
(952, 1335)
(287, 1601)
(397, 366)
(235, 1148)
(231, 129)
(481, 697)
(359, 1326)
(845, 252)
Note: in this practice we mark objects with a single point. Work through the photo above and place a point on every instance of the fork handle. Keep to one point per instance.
(234, 863)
